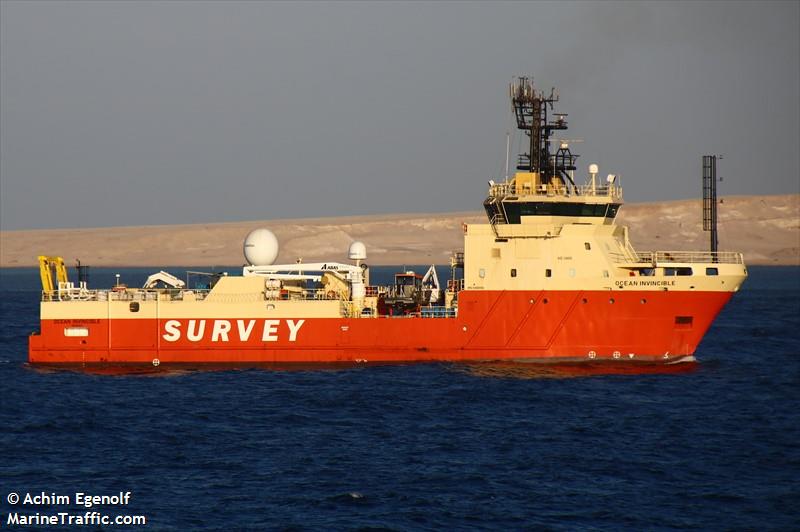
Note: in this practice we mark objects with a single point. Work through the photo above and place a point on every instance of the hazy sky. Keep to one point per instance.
(117, 113)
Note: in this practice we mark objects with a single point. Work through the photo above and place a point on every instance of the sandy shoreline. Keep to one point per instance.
(765, 228)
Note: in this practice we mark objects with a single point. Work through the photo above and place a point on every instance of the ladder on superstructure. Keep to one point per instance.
(710, 200)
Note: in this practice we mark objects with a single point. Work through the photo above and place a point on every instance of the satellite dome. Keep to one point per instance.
(357, 251)
(261, 247)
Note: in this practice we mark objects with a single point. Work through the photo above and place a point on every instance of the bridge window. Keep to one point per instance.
(515, 210)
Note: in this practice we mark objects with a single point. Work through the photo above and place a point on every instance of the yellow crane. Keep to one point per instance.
(47, 265)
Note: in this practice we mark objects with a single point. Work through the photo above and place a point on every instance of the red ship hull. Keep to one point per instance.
(555, 326)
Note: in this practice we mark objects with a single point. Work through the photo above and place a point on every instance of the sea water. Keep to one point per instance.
(711, 445)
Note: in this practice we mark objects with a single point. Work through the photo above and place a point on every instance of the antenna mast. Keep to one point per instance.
(710, 199)
(508, 147)
(530, 107)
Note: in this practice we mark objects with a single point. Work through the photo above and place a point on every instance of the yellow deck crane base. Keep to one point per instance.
(47, 265)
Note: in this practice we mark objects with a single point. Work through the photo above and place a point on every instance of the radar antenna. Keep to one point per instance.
(531, 110)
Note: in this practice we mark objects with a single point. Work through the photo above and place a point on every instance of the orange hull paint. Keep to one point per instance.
(491, 325)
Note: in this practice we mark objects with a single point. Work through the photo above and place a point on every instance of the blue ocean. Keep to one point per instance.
(713, 445)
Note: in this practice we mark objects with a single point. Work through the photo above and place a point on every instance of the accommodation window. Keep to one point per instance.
(587, 245)
(712, 271)
(548, 272)
(684, 271)
(513, 272)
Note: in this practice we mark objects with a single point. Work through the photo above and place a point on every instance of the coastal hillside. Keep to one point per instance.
(765, 228)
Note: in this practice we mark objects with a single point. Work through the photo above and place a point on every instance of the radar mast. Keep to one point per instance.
(531, 111)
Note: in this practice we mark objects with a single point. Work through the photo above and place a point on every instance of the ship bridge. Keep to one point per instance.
(526, 196)
(543, 191)
(547, 232)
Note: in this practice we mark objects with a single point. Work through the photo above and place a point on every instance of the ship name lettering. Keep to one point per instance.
(294, 327)
(192, 334)
(222, 330)
(647, 282)
(270, 331)
(244, 332)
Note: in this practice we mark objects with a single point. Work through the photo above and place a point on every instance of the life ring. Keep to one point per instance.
(331, 294)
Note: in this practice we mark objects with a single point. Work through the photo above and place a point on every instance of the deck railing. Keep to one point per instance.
(508, 189)
(438, 312)
(142, 294)
(136, 294)
(455, 285)
(673, 257)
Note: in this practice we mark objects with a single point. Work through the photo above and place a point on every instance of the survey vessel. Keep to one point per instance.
(548, 277)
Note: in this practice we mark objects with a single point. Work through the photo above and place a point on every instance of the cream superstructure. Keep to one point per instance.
(545, 237)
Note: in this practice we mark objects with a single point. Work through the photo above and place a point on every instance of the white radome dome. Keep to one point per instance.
(357, 251)
(261, 247)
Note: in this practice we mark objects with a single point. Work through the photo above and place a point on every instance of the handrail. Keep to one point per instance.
(455, 285)
(675, 257)
(173, 294)
(129, 294)
(497, 219)
(438, 312)
(604, 190)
